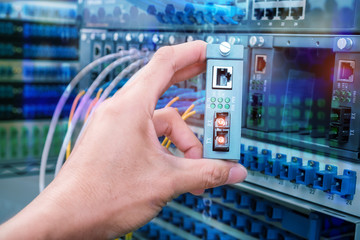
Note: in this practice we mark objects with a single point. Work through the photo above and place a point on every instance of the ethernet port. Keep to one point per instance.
(222, 78)
(283, 13)
(260, 64)
(256, 100)
(108, 50)
(259, 13)
(296, 12)
(97, 50)
(346, 71)
(270, 13)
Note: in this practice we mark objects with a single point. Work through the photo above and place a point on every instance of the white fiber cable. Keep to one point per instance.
(84, 100)
(61, 103)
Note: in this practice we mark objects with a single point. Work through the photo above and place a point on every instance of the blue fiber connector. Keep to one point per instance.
(324, 179)
(307, 173)
(273, 166)
(345, 185)
(290, 170)
(249, 155)
(260, 160)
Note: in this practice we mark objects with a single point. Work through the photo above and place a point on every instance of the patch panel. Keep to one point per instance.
(23, 141)
(37, 71)
(31, 101)
(261, 219)
(26, 31)
(30, 51)
(315, 16)
(53, 12)
(320, 181)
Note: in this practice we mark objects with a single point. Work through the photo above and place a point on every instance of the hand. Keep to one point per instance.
(118, 176)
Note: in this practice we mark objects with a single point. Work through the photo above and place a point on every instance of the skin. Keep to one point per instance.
(118, 176)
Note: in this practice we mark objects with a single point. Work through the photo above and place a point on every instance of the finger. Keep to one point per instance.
(168, 122)
(206, 173)
(157, 75)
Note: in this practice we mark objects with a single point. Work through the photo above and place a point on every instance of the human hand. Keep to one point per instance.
(118, 176)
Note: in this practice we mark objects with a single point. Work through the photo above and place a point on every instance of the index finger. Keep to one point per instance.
(157, 75)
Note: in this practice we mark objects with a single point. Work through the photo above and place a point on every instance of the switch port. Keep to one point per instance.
(273, 166)
(324, 179)
(259, 160)
(344, 185)
(346, 71)
(307, 173)
(222, 120)
(260, 64)
(259, 13)
(283, 13)
(221, 141)
(340, 124)
(222, 78)
(296, 12)
(290, 170)
(270, 13)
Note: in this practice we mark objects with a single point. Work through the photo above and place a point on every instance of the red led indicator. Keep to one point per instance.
(221, 122)
(221, 140)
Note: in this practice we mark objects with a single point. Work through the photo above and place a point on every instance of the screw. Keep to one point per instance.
(329, 168)
(311, 163)
(225, 48)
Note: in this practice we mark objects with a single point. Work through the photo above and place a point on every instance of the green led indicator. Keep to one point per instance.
(227, 100)
(220, 106)
(220, 99)
(213, 99)
(227, 106)
(212, 105)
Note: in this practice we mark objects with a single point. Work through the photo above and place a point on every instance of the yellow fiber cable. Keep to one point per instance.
(184, 117)
(76, 100)
(189, 109)
(172, 101)
(93, 103)
(168, 105)
(128, 236)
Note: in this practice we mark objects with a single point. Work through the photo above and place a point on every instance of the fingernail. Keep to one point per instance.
(237, 174)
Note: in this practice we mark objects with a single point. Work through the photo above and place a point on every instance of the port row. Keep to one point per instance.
(294, 171)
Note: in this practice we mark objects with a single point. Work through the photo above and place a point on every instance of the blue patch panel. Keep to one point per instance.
(49, 31)
(56, 73)
(310, 175)
(54, 12)
(44, 51)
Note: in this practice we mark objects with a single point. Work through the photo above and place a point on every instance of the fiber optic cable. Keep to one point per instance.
(107, 91)
(169, 105)
(60, 106)
(92, 104)
(128, 236)
(172, 101)
(76, 100)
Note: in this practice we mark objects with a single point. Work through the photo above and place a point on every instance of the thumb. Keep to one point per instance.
(195, 174)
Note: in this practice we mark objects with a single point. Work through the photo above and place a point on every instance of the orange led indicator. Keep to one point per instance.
(221, 140)
(221, 122)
